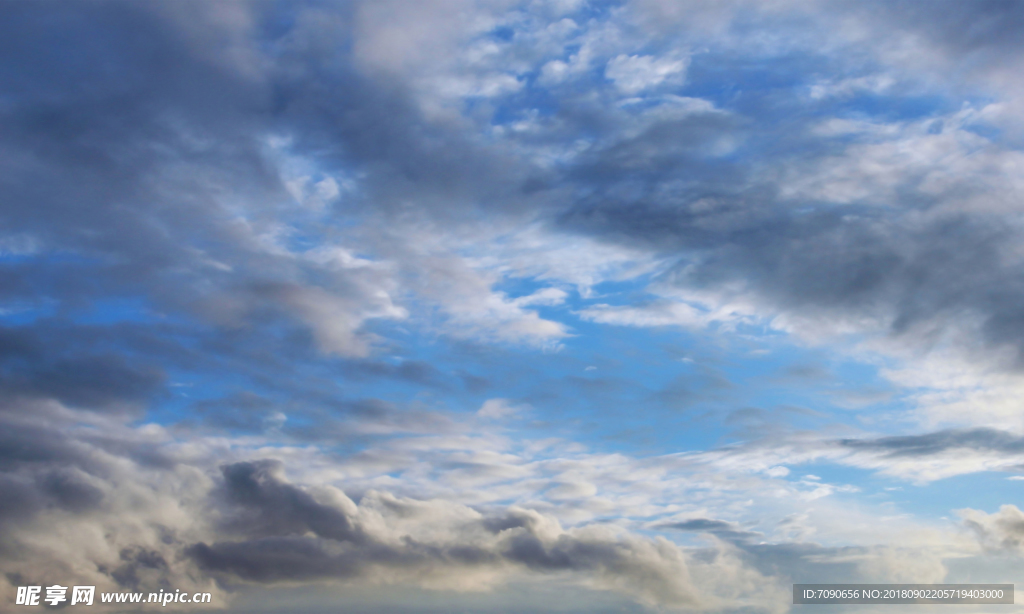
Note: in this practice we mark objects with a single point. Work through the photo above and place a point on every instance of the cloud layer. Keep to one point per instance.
(681, 300)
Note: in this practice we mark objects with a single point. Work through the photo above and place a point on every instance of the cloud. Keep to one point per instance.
(497, 409)
(1003, 530)
(274, 507)
(634, 73)
(752, 234)
(61, 363)
(180, 513)
(252, 524)
(350, 541)
(253, 256)
(719, 528)
(920, 458)
(756, 231)
(935, 443)
(655, 315)
(663, 313)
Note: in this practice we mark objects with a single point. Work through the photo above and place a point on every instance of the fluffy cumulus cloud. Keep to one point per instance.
(130, 508)
(292, 534)
(670, 303)
(126, 508)
(1001, 530)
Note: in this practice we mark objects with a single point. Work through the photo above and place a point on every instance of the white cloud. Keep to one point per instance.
(661, 314)
(497, 409)
(336, 320)
(635, 73)
(676, 308)
(544, 296)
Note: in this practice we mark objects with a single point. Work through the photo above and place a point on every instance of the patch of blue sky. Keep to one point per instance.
(15, 256)
(977, 125)
(22, 312)
(199, 374)
(982, 490)
(642, 390)
(560, 391)
(503, 33)
(752, 85)
(42, 256)
(779, 89)
(612, 388)
(789, 387)
(84, 310)
(871, 483)
(276, 23)
(188, 391)
(797, 381)
(895, 107)
(530, 102)
(596, 10)
(649, 375)
(106, 311)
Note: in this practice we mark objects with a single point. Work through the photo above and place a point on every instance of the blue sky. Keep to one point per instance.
(502, 306)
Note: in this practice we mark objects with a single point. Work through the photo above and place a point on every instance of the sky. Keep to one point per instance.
(507, 306)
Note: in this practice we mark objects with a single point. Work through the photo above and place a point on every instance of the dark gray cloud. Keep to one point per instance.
(719, 528)
(20, 500)
(276, 559)
(285, 534)
(270, 506)
(32, 366)
(139, 134)
(26, 443)
(293, 545)
(134, 164)
(411, 371)
(136, 564)
(939, 442)
(71, 491)
(846, 259)
(988, 30)
(999, 531)
(915, 261)
(808, 562)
